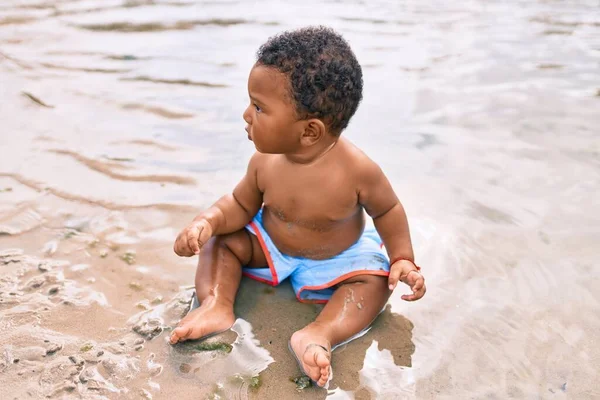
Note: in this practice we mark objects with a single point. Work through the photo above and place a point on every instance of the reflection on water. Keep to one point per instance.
(484, 116)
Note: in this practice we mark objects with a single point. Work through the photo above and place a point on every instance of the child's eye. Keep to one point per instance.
(257, 108)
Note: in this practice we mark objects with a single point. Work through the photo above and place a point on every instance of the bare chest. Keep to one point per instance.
(312, 198)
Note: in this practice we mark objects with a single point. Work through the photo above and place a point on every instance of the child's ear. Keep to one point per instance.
(314, 130)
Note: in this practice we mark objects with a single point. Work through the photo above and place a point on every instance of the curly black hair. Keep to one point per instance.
(324, 74)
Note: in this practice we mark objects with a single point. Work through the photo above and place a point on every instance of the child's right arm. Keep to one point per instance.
(229, 214)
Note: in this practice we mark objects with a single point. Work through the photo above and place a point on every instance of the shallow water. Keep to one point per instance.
(121, 119)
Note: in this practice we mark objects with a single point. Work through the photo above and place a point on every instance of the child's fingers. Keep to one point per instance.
(192, 239)
(417, 292)
(411, 297)
(393, 278)
(203, 236)
(181, 247)
(420, 293)
(418, 284)
(408, 297)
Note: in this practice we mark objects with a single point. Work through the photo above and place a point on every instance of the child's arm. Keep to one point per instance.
(381, 203)
(229, 214)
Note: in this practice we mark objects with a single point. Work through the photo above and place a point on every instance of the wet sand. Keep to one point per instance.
(90, 316)
(120, 120)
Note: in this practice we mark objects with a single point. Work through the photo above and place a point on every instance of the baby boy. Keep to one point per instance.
(299, 211)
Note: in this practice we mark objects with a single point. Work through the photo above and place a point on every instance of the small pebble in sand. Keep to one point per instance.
(53, 290)
(53, 348)
(86, 375)
(35, 283)
(139, 341)
(302, 382)
(77, 360)
(129, 257)
(86, 347)
(155, 369)
(69, 234)
(255, 382)
(359, 306)
(103, 254)
(69, 387)
(43, 267)
(150, 328)
(135, 286)
(143, 305)
(111, 366)
(185, 368)
(139, 347)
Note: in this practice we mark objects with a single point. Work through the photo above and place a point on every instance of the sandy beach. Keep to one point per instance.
(121, 120)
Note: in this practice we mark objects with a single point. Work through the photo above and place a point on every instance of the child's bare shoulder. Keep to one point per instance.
(260, 161)
(258, 166)
(359, 164)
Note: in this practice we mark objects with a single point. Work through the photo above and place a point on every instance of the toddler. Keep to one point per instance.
(299, 211)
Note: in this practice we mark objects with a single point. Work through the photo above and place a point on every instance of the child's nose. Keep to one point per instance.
(246, 116)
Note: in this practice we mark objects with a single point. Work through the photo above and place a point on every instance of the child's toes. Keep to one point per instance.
(322, 380)
(323, 363)
(314, 360)
(316, 377)
(324, 373)
(179, 334)
(322, 360)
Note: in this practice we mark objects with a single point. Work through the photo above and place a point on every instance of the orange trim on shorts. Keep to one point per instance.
(258, 278)
(263, 245)
(336, 281)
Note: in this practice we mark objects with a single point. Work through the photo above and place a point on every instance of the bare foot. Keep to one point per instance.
(310, 349)
(211, 317)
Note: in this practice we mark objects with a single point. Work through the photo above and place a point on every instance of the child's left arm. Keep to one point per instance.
(378, 198)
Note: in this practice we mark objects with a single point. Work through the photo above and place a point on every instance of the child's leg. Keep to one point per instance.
(353, 306)
(217, 280)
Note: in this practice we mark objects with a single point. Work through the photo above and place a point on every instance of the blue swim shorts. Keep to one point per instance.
(314, 280)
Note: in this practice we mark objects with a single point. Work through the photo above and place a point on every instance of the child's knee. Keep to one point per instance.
(238, 243)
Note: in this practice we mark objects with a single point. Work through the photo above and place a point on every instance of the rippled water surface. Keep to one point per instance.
(119, 119)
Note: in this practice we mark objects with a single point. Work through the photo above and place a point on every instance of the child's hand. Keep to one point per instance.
(192, 238)
(406, 271)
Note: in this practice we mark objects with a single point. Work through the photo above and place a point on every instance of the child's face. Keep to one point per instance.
(271, 115)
